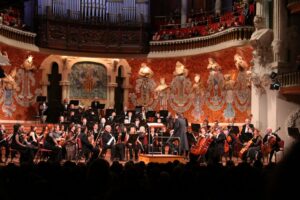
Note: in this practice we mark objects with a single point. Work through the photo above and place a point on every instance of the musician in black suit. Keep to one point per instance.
(218, 145)
(272, 140)
(3, 143)
(247, 132)
(87, 147)
(180, 132)
(124, 113)
(108, 142)
(95, 105)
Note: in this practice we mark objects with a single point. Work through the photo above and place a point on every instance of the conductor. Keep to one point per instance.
(179, 131)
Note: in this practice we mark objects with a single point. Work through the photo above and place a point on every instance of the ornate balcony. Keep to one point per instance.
(290, 82)
(17, 34)
(232, 34)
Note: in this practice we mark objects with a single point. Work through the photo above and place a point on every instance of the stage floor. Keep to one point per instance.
(161, 158)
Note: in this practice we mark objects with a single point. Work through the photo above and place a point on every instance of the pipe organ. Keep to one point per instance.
(128, 11)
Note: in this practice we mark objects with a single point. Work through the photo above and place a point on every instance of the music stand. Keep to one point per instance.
(41, 99)
(294, 132)
(138, 109)
(164, 113)
(195, 127)
(74, 102)
(234, 129)
(101, 106)
(109, 112)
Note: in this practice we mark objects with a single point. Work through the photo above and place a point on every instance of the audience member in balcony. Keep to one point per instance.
(156, 36)
(221, 27)
(1, 17)
(190, 23)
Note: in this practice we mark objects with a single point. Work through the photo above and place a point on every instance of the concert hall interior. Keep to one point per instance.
(111, 87)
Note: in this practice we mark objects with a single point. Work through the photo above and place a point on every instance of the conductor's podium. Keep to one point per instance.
(160, 158)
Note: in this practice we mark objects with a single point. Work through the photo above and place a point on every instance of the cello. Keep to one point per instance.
(245, 148)
(267, 148)
(201, 147)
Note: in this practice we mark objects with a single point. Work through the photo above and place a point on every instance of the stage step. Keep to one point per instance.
(161, 158)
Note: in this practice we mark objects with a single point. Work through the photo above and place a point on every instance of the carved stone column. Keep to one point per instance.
(45, 84)
(218, 7)
(272, 108)
(111, 94)
(279, 29)
(65, 85)
(183, 12)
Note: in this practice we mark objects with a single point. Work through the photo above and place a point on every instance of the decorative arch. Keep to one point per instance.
(126, 73)
(65, 64)
(46, 67)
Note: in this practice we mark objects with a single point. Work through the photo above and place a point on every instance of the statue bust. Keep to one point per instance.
(180, 69)
(145, 71)
(240, 63)
(197, 86)
(229, 83)
(28, 63)
(8, 82)
(213, 65)
(162, 86)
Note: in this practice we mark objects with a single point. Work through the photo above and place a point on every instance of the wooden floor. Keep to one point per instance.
(161, 158)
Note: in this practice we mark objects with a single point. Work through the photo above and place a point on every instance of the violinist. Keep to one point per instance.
(271, 141)
(121, 136)
(153, 141)
(143, 137)
(51, 143)
(133, 144)
(218, 144)
(247, 132)
(108, 142)
(70, 142)
(18, 143)
(254, 151)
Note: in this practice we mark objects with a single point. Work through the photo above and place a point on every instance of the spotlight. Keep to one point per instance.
(275, 86)
(273, 75)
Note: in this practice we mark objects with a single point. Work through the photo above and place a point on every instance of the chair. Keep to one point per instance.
(281, 149)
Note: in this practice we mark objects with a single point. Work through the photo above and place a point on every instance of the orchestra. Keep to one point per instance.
(82, 134)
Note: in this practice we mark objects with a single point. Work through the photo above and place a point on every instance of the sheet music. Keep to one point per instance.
(155, 124)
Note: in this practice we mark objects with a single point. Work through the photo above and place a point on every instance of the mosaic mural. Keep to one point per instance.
(213, 86)
(88, 80)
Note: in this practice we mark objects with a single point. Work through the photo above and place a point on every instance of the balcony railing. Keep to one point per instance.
(236, 33)
(17, 34)
(289, 79)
